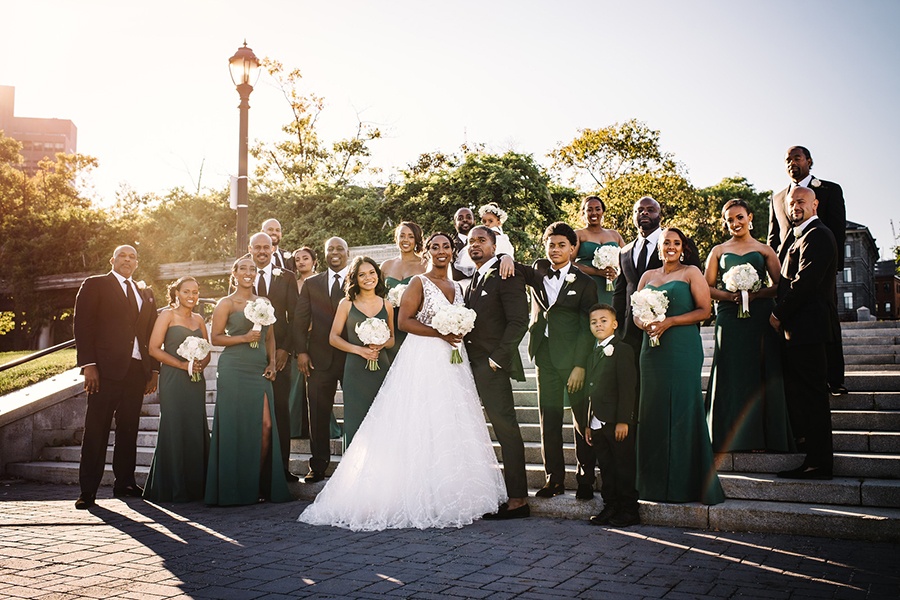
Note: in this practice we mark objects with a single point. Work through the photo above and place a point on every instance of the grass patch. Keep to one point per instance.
(34, 371)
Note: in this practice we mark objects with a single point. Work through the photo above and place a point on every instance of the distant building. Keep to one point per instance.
(856, 284)
(887, 290)
(40, 138)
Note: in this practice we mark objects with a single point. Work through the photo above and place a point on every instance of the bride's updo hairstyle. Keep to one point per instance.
(352, 285)
(437, 234)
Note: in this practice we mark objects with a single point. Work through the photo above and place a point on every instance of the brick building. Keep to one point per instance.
(40, 138)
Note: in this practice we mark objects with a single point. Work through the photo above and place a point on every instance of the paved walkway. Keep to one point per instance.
(133, 549)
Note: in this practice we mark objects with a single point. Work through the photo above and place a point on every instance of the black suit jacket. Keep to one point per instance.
(610, 384)
(832, 212)
(282, 293)
(568, 318)
(312, 324)
(502, 321)
(626, 284)
(806, 290)
(105, 329)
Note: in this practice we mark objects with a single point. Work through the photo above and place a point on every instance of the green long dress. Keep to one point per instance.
(360, 385)
(586, 257)
(234, 475)
(178, 470)
(745, 404)
(399, 335)
(674, 454)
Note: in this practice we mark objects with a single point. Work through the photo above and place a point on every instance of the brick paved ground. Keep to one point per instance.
(133, 549)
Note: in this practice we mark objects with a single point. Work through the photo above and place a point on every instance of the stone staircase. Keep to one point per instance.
(862, 501)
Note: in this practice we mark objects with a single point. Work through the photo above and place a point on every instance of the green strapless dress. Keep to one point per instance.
(234, 476)
(745, 403)
(586, 257)
(674, 454)
(178, 470)
(360, 385)
(399, 335)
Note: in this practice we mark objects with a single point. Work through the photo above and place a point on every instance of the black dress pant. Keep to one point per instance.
(321, 386)
(805, 376)
(618, 467)
(121, 399)
(281, 388)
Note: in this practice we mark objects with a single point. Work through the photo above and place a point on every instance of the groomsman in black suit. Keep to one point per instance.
(560, 344)
(322, 364)
(636, 257)
(463, 221)
(493, 349)
(832, 213)
(280, 287)
(280, 258)
(805, 314)
(113, 320)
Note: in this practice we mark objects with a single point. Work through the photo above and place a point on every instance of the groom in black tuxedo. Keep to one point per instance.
(279, 286)
(493, 349)
(322, 364)
(832, 213)
(805, 314)
(113, 320)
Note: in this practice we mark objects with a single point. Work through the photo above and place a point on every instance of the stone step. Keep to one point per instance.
(72, 454)
(846, 464)
(865, 349)
(867, 401)
(846, 491)
(67, 473)
(865, 420)
(886, 442)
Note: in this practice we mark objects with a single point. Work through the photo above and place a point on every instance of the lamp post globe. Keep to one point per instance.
(245, 69)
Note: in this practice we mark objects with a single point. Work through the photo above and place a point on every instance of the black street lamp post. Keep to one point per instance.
(244, 68)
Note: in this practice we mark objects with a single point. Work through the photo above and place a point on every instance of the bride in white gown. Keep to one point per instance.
(422, 456)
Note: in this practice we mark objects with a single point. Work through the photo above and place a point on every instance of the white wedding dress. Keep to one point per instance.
(422, 456)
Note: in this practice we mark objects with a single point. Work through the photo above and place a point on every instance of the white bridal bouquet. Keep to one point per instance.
(742, 278)
(455, 319)
(260, 312)
(607, 256)
(191, 349)
(373, 331)
(650, 306)
(396, 293)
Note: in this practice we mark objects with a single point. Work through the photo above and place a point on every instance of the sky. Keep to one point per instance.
(730, 85)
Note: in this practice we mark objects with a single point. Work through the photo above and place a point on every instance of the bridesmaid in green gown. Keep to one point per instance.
(244, 459)
(592, 237)
(178, 470)
(745, 403)
(401, 269)
(675, 458)
(365, 299)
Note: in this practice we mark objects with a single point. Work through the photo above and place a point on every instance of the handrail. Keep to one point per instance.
(35, 355)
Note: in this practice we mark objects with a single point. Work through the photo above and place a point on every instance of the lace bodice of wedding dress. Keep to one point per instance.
(433, 299)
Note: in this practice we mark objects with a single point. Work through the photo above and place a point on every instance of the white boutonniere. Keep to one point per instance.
(287, 254)
(276, 272)
(570, 278)
(141, 285)
(815, 182)
(488, 274)
(608, 350)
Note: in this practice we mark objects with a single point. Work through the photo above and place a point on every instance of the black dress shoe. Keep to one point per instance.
(313, 477)
(625, 518)
(585, 492)
(604, 516)
(129, 491)
(290, 476)
(549, 490)
(837, 390)
(804, 472)
(504, 512)
(85, 501)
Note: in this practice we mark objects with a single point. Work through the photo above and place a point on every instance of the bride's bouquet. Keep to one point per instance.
(742, 278)
(191, 349)
(650, 306)
(373, 331)
(259, 312)
(607, 256)
(454, 319)
(396, 293)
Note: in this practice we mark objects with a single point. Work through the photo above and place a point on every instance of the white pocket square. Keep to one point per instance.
(571, 293)
(483, 293)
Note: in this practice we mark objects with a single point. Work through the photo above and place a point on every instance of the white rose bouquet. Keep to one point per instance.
(375, 332)
(742, 278)
(650, 306)
(454, 319)
(395, 294)
(260, 312)
(607, 256)
(191, 349)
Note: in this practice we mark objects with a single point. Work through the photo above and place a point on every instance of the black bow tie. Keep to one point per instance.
(553, 273)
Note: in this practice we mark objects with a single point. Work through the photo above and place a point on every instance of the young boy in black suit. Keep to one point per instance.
(609, 386)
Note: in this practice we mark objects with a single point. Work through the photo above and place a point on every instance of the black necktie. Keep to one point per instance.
(261, 286)
(553, 274)
(276, 258)
(132, 301)
(642, 259)
(475, 279)
(336, 289)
